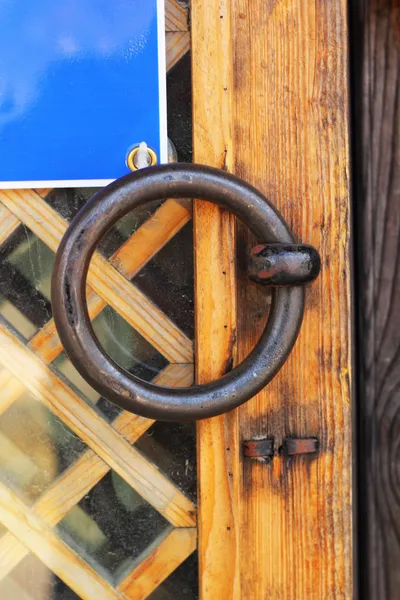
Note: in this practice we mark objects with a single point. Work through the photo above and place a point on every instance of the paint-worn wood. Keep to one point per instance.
(104, 279)
(159, 563)
(289, 124)
(76, 481)
(145, 478)
(376, 167)
(215, 295)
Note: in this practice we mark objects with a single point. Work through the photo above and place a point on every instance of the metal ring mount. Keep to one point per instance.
(132, 156)
(69, 294)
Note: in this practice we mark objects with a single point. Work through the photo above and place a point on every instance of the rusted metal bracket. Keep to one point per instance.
(263, 449)
(283, 264)
(259, 448)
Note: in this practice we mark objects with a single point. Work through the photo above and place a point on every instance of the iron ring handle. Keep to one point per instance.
(71, 313)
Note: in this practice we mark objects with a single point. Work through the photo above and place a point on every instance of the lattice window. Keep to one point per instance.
(84, 510)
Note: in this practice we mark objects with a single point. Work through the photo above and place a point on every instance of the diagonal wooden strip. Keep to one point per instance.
(54, 553)
(159, 563)
(8, 223)
(178, 43)
(129, 259)
(86, 422)
(150, 237)
(176, 18)
(122, 295)
(43, 192)
(132, 256)
(82, 476)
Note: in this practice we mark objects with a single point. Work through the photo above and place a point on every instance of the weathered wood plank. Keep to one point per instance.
(291, 141)
(215, 296)
(290, 131)
(376, 160)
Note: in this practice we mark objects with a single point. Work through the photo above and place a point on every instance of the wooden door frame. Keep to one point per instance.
(270, 103)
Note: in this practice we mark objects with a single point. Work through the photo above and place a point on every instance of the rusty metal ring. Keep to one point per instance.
(69, 294)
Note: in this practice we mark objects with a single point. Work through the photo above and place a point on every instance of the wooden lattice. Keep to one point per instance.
(30, 528)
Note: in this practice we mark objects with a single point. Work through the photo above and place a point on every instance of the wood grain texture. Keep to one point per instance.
(215, 297)
(289, 122)
(160, 562)
(291, 142)
(376, 159)
(76, 481)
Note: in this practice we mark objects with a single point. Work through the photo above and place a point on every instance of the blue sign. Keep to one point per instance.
(82, 82)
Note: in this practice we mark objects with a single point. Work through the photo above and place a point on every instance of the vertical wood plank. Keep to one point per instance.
(214, 232)
(376, 146)
(289, 122)
(291, 141)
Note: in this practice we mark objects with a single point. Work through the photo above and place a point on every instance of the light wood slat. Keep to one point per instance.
(178, 43)
(159, 563)
(150, 237)
(82, 476)
(132, 256)
(154, 487)
(215, 297)
(8, 223)
(54, 553)
(175, 16)
(123, 296)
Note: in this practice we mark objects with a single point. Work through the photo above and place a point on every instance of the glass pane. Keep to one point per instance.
(32, 580)
(172, 447)
(25, 274)
(35, 447)
(112, 526)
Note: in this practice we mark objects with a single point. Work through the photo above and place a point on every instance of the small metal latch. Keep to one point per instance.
(263, 449)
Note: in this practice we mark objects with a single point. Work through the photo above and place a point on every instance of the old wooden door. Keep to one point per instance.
(97, 503)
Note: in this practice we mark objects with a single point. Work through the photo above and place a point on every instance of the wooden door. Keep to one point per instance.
(271, 105)
(97, 503)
